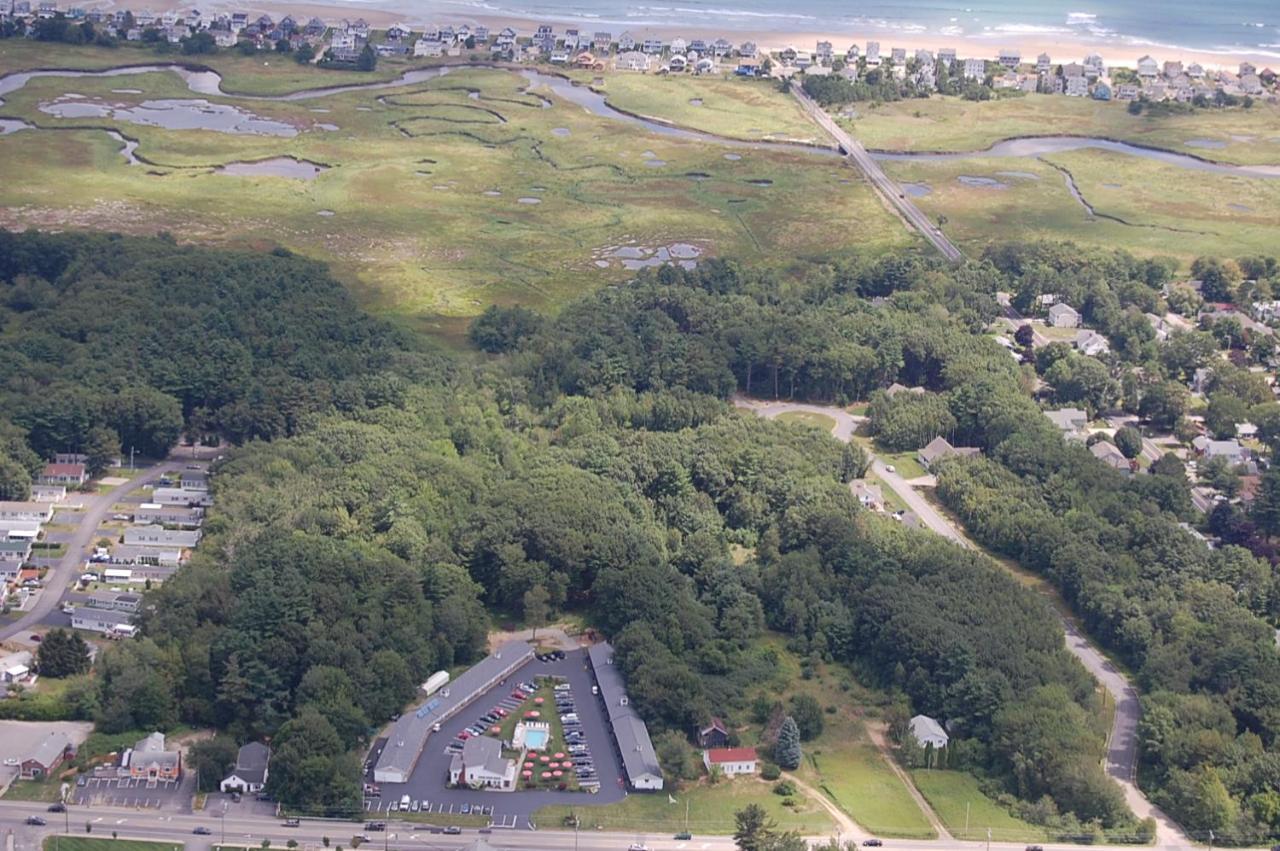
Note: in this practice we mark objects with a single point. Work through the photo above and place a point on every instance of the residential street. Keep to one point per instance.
(96, 507)
(1122, 747)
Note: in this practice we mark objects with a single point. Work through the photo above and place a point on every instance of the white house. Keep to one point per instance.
(250, 773)
(731, 761)
(975, 69)
(481, 764)
(632, 60)
(1091, 343)
(1063, 316)
(927, 732)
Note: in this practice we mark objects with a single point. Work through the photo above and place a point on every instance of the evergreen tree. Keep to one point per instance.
(787, 752)
(368, 60)
(62, 654)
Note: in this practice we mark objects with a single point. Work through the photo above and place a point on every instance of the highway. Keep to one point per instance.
(888, 190)
(249, 831)
(1122, 741)
(96, 507)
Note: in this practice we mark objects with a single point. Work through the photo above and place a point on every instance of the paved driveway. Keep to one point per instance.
(513, 809)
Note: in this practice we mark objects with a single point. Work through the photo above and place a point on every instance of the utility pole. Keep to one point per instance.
(988, 839)
(966, 818)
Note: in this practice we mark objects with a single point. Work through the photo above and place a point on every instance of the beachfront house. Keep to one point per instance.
(1043, 64)
(873, 53)
(975, 69)
(1009, 58)
(632, 60)
(823, 53)
(1148, 68)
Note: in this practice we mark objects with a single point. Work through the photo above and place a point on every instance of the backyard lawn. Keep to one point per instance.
(958, 801)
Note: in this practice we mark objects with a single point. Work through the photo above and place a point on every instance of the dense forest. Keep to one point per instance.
(405, 498)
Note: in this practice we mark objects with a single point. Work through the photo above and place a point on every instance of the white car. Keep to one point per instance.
(637, 846)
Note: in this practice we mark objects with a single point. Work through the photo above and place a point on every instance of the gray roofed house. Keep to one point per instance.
(99, 620)
(940, 448)
(1070, 421)
(194, 480)
(124, 602)
(481, 764)
(638, 757)
(155, 535)
(1108, 453)
(927, 731)
(45, 756)
(409, 735)
(250, 773)
(151, 760)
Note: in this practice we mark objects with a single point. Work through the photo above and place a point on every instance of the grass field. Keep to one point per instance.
(727, 106)
(957, 800)
(419, 210)
(1145, 207)
(711, 810)
(821, 421)
(1248, 136)
(854, 774)
(96, 843)
(905, 464)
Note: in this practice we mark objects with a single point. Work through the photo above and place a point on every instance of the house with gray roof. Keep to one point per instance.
(1072, 422)
(639, 760)
(481, 764)
(151, 761)
(926, 731)
(250, 773)
(1108, 453)
(106, 621)
(940, 448)
(154, 535)
(45, 756)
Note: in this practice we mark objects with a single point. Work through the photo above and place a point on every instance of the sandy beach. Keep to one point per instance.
(1060, 48)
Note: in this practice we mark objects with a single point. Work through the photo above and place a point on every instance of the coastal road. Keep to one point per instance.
(1122, 741)
(96, 507)
(889, 191)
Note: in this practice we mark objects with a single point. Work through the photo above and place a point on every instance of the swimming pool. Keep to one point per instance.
(535, 740)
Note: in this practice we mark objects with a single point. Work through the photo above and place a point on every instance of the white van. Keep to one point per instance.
(404, 803)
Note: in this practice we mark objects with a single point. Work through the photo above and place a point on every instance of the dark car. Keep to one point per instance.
(35, 637)
(202, 831)
(452, 830)
(1035, 848)
(685, 835)
(36, 820)
(376, 825)
(872, 843)
(57, 808)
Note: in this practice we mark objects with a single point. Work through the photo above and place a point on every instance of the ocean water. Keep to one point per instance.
(1233, 27)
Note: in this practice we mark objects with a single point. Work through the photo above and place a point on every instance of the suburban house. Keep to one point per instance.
(168, 515)
(1229, 449)
(731, 761)
(1108, 453)
(106, 621)
(15, 667)
(869, 496)
(116, 601)
(1091, 343)
(632, 60)
(48, 493)
(44, 759)
(714, 735)
(480, 764)
(940, 448)
(158, 536)
(178, 496)
(1070, 421)
(1063, 316)
(895, 388)
(149, 760)
(928, 732)
(250, 773)
(63, 474)
(41, 511)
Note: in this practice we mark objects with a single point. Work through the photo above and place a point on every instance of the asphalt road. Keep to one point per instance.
(250, 831)
(95, 509)
(888, 190)
(1122, 744)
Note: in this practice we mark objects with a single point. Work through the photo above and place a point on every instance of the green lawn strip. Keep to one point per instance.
(856, 777)
(95, 843)
(711, 811)
(821, 421)
(958, 800)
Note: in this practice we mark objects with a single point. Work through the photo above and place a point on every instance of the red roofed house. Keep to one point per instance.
(63, 474)
(731, 761)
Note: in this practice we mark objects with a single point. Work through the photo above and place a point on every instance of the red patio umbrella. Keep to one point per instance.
(557, 773)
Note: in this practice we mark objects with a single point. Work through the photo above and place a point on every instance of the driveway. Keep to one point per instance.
(513, 809)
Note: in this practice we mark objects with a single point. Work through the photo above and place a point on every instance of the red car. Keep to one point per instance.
(464, 735)
(35, 637)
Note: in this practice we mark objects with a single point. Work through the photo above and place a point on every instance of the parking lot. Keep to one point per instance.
(120, 792)
(595, 760)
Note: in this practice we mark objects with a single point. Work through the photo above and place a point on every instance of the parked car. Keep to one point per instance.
(466, 808)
